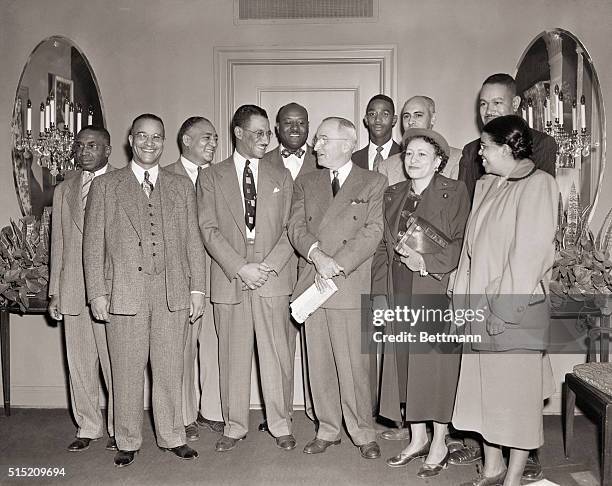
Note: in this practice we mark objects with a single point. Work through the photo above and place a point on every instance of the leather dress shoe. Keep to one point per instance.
(111, 445)
(402, 459)
(213, 425)
(124, 458)
(533, 468)
(286, 442)
(80, 444)
(226, 443)
(263, 427)
(371, 450)
(191, 432)
(483, 480)
(317, 446)
(465, 456)
(453, 444)
(396, 434)
(182, 451)
(430, 470)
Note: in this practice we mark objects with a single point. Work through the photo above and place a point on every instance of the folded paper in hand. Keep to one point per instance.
(311, 300)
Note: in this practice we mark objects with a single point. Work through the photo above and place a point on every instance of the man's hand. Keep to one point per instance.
(196, 306)
(321, 283)
(99, 308)
(53, 308)
(252, 276)
(264, 267)
(495, 325)
(325, 265)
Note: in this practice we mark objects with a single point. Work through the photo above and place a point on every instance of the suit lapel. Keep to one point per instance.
(167, 194)
(75, 199)
(127, 192)
(228, 184)
(395, 208)
(351, 187)
(310, 161)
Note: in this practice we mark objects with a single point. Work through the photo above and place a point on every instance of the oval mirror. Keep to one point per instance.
(561, 95)
(57, 94)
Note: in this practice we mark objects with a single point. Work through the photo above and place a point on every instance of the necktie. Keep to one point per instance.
(378, 159)
(250, 196)
(335, 184)
(88, 177)
(147, 185)
(200, 169)
(298, 153)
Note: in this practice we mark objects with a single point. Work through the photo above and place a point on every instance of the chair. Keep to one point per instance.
(590, 386)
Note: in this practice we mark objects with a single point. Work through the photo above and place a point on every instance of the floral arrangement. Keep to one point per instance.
(24, 261)
(583, 269)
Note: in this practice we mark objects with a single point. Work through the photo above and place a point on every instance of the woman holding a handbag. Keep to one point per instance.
(424, 218)
(505, 269)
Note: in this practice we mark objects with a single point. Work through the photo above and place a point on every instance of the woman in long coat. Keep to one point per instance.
(422, 375)
(505, 269)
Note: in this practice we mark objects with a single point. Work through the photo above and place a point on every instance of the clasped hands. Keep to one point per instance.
(326, 268)
(254, 275)
(412, 259)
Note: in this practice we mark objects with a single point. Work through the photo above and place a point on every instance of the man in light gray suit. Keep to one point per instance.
(145, 273)
(86, 348)
(244, 205)
(336, 224)
(197, 140)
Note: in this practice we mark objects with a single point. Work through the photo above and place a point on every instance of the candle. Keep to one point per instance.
(90, 116)
(66, 114)
(561, 108)
(42, 118)
(47, 115)
(530, 113)
(29, 117)
(71, 118)
(524, 113)
(582, 113)
(574, 124)
(78, 122)
(556, 101)
(53, 112)
(547, 110)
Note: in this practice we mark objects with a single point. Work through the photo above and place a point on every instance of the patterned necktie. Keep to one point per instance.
(335, 184)
(147, 185)
(250, 196)
(298, 153)
(378, 159)
(88, 177)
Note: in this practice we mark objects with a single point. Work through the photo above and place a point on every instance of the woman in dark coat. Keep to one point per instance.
(421, 374)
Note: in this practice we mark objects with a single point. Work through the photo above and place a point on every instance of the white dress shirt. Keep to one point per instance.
(139, 173)
(239, 163)
(293, 163)
(386, 148)
(192, 169)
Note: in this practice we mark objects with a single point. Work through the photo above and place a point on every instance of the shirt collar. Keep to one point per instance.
(241, 161)
(139, 172)
(386, 148)
(281, 147)
(190, 166)
(343, 172)
(100, 171)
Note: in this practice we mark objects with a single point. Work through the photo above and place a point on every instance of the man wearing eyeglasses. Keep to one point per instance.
(145, 274)
(86, 348)
(336, 224)
(198, 140)
(380, 118)
(244, 205)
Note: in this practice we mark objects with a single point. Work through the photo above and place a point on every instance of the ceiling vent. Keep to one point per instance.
(309, 11)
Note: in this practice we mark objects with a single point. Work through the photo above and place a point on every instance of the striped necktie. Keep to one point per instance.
(147, 185)
(378, 159)
(250, 196)
(87, 179)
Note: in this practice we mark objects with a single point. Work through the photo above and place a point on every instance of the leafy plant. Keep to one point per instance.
(24, 261)
(582, 270)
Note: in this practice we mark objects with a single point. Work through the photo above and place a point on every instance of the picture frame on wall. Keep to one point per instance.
(62, 89)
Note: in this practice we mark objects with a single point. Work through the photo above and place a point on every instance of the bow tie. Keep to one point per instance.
(298, 153)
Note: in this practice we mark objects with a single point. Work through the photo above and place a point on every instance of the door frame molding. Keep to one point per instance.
(227, 58)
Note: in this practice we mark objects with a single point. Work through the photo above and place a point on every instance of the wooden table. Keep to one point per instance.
(36, 307)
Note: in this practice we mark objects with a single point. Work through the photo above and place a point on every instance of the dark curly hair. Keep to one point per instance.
(513, 131)
(437, 150)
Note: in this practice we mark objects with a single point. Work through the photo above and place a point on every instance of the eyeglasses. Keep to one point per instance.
(323, 139)
(259, 134)
(92, 147)
(142, 137)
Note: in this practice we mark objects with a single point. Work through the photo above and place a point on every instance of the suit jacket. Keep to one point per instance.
(67, 279)
(112, 241)
(393, 167)
(309, 165)
(360, 157)
(471, 169)
(221, 220)
(508, 250)
(347, 227)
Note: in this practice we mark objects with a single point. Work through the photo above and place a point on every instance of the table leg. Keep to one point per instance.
(5, 349)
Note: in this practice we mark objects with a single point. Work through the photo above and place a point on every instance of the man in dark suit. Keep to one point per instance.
(86, 348)
(336, 224)
(145, 273)
(244, 205)
(197, 139)
(498, 97)
(294, 154)
(380, 118)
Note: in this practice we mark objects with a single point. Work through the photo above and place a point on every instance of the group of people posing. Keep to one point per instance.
(188, 266)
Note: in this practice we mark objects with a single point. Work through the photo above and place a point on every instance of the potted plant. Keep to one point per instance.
(24, 261)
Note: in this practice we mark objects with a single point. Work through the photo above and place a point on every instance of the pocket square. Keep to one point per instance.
(358, 201)
(276, 189)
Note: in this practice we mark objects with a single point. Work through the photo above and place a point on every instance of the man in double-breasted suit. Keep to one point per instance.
(145, 273)
(86, 349)
(244, 205)
(197, 140)
(336, 224)
(294, 154)
(380, 118)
